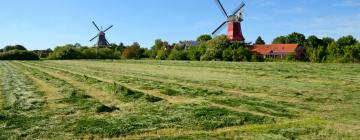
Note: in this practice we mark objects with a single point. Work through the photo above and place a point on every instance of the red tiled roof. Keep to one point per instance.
(275, 48)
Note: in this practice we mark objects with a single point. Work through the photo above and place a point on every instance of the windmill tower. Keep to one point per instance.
(234, 32)
(102, 42)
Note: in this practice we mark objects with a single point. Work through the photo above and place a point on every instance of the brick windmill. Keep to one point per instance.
(102, 42)
(234, 32)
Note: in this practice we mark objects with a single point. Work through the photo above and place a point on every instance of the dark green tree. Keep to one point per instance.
(352, 53)
(280, 40)
(15, 47)
(313, 42)
(327, 41)
(346, 41)
(204, 38)
(259, 41)
(296, 38)
(18, 55)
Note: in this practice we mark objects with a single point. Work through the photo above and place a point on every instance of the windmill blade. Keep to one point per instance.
(241, 6)
(108, 28)
(94, 38)
(221, 8)
(219, 29)
(96, 26)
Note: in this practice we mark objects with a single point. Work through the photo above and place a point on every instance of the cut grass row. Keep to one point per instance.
(270, 108)
(138, 118)
(293, 80)
(122, 93)
(18, 91)
(164, 115)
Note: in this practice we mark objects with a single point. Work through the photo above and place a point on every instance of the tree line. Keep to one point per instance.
(345, 49)
(17, 52)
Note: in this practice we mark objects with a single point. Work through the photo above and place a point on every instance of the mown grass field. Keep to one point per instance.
(178, 100)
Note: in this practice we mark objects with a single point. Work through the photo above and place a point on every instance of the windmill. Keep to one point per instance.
(234, 32)
(102, 42)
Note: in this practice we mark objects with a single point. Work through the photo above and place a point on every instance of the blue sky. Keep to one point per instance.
(41, 24)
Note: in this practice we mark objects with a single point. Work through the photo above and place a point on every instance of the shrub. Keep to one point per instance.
(66, 52)
(19, 55)
(204, 38)
(178, 55)
(242, 54)
(195, 53)
(132, 52)
(215, 48)
(16, 47)
(107, 53)
(228, 55)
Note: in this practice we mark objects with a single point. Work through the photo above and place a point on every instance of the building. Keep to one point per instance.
(279, 51)
(188, 44)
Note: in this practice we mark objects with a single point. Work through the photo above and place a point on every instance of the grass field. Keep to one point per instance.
(178, 100)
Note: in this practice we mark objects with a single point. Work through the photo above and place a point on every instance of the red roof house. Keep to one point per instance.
(279, 51)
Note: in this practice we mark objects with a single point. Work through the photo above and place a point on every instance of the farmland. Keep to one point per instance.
(131, 99)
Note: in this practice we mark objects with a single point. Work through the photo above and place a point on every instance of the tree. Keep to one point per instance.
(204, 38)
(159, 47)
(195, 53)
(296, 38)
(259, 41)
(228, 54)
(132, 52)
(66, 52)
(313, 42)
(215, 48)
(19, 55)
(15, 47)
(293, 38)
(327, 41)
(317, 54)
(107, 53)
(242, 54)
(43, 53)
(346, 41)
(352, 53)
(280, 40)
(177, 54)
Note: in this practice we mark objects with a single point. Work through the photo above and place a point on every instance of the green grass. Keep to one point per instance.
(186, 100)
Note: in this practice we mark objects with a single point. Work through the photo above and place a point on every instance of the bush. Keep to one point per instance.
(228, 55)
(242, 54)
(107, 53)
(215, 48)
(352, 53)
(177, 55)
(133, 52)
(16, 47)
(195, 53)
(66, 52)
(204, 38)
(19, 55)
